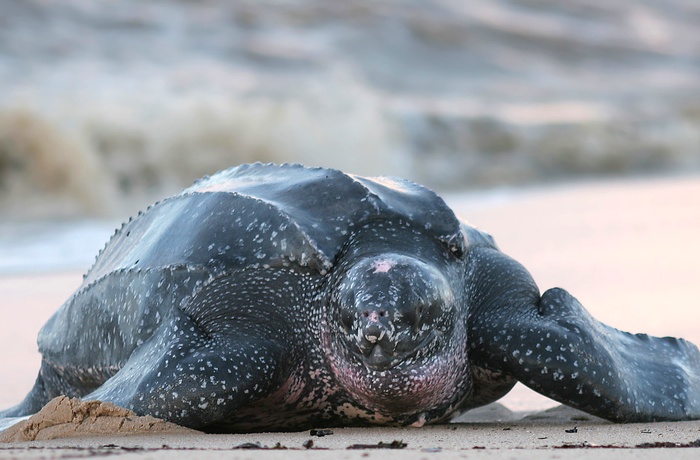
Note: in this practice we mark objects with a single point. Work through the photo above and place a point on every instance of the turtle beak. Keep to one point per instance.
(375, 342)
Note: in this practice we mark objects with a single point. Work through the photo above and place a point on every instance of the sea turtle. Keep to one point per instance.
(274, 297)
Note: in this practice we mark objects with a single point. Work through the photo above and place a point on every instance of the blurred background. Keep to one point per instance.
(108, 106)
(513, 109)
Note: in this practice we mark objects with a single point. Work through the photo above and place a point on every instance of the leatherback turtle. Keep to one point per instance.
(274, 297)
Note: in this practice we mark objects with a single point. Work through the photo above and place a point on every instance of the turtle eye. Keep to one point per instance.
(431, 314)
(456, 251)
(347, 319)
(455, 245)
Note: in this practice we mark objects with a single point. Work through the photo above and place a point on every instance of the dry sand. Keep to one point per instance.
(65, 417)
(628, 250)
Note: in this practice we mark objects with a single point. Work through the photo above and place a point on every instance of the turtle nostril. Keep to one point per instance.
(365, 313)
(382, 313)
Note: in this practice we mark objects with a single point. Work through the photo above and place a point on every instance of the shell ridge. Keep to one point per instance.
(325, 260)
(119, 230)
(262, 182)
(125, 270)
(452, 237)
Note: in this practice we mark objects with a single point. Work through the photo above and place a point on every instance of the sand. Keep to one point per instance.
(65, 417)
(626, 249)
(556, 437)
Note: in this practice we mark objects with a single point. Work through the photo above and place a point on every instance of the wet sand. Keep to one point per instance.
(627, 249)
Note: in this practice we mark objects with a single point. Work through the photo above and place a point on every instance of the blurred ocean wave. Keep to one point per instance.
(106, 107)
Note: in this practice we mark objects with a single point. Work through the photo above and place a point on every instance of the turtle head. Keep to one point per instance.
(392, 309)
(395, 339)
(395, 324)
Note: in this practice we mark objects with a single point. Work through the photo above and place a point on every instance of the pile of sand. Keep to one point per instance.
(65, 417)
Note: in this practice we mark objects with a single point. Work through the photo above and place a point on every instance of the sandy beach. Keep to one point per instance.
(627, 249)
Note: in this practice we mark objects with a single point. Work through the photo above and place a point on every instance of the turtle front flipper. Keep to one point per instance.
(614, 374)
(216, 353)
(554, 346)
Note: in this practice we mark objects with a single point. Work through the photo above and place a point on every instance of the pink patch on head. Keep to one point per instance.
(383, 266)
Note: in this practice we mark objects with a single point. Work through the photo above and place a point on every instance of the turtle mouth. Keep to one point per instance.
(379, 356)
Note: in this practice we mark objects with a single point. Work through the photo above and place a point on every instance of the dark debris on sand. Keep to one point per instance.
(395, 444)
(645, 445)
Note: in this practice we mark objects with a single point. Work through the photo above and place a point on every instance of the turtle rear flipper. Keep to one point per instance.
(554, 346)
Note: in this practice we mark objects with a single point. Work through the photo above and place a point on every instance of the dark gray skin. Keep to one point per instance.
(281, 298)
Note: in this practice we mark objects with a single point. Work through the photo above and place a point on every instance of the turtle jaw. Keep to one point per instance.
(403, 385)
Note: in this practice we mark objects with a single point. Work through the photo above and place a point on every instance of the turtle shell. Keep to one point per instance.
(271, 215)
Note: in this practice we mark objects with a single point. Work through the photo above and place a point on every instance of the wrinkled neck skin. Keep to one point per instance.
(395, 326)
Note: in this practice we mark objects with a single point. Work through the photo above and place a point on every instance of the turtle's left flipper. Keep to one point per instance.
(573, 358)
(613, 374)
(553, 345)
